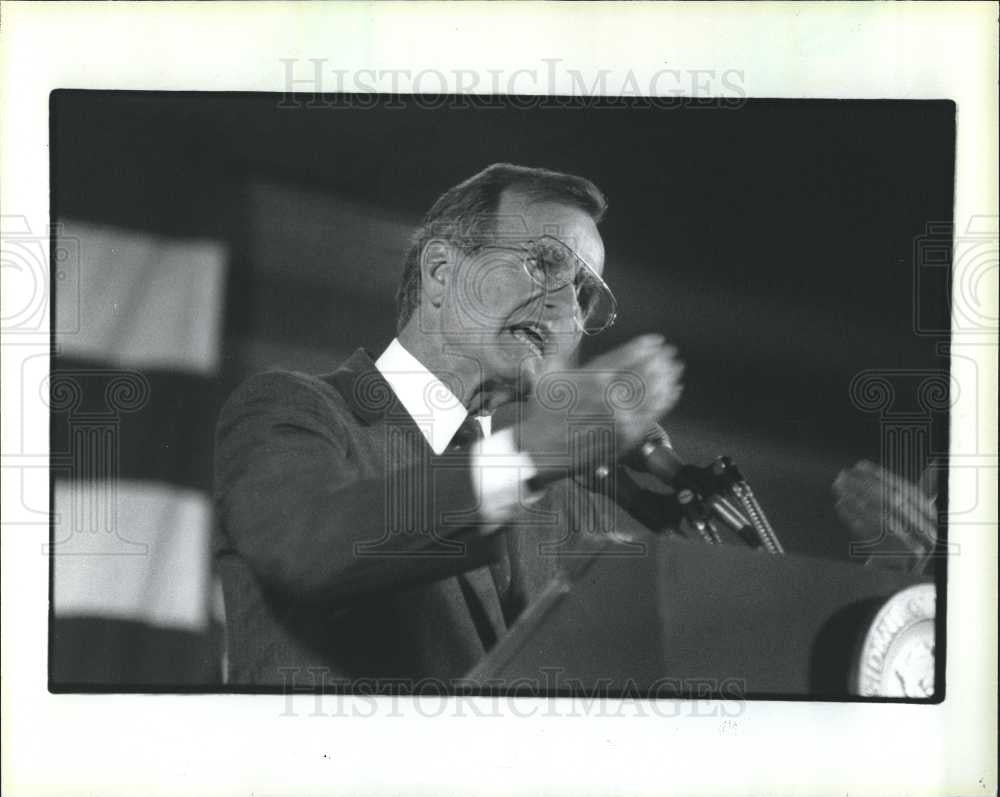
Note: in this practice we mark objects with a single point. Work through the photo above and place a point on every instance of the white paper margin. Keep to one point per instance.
(241, 745)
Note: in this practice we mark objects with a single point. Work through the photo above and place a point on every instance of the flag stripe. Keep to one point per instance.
(132, 550)
(161, 422)
(88, 652)
(136, 299)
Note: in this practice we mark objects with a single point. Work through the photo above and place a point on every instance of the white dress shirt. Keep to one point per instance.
(500, 471)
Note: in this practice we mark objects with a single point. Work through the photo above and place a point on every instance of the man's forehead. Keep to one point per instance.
(517, 213)
(518, 218)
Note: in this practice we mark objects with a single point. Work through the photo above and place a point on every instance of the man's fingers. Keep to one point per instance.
(661, 371)
(920, 517)
(871, 505)
(660, 388)
(637, 348)
(636, 384)
(864, 488)
(879, 488)
(868, 527)
(646, 362)
(663, 363)
(663, 388)
(848, 506)
(866, 470)
(631, 354)
(929, 479)
(665, 394)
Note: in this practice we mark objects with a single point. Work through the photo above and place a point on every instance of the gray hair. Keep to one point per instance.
(468, 210)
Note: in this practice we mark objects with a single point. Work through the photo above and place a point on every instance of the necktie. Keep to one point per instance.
(469, 432)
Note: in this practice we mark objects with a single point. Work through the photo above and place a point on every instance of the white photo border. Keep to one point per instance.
(243, 744)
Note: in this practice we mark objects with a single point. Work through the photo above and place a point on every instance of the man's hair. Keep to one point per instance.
(464, 214)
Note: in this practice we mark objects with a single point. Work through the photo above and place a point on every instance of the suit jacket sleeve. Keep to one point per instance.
(296, 505)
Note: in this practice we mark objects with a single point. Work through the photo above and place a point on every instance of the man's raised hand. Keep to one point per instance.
(623, 391)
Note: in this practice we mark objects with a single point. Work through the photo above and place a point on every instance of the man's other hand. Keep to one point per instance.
(879, 507)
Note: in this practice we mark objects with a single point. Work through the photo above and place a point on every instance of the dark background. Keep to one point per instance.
(773, 243)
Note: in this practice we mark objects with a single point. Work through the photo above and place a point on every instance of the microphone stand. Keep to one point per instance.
(727, 473)
(720, 493)
(697, 517)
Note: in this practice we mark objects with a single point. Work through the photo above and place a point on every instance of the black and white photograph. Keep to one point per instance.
(380, 404)
(415, 393)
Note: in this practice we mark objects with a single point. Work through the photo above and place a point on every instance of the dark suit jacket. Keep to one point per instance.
(348, 550)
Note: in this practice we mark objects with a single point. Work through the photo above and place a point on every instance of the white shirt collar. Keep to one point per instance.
(433, 407)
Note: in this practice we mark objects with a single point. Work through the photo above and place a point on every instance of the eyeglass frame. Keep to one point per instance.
(523, 249)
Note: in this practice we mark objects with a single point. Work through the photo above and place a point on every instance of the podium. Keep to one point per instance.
(684, 619)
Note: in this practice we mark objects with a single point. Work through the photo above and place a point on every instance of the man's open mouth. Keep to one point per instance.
(532, 336)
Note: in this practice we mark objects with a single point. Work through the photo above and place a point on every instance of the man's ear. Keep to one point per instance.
(436, 264)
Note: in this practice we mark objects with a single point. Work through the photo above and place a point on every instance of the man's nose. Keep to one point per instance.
(562, 300)
(563, 313)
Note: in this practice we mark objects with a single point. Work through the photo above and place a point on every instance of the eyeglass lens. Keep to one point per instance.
(554, 265)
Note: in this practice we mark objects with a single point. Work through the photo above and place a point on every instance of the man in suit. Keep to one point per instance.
(372, 523)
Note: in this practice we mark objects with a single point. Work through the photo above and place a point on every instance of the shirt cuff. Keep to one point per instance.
(500, 474)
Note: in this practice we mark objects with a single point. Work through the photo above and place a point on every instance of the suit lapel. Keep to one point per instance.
(372, 401)
(364, 389)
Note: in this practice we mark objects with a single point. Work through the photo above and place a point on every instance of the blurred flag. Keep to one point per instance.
(134, 392)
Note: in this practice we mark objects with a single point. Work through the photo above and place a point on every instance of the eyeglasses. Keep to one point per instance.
(552, 265)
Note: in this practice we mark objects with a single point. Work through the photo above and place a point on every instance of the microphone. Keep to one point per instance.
(657, 456)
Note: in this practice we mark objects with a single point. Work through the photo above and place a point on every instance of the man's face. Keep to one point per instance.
(495, 312)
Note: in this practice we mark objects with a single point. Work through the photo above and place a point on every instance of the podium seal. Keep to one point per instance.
(897, 655)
